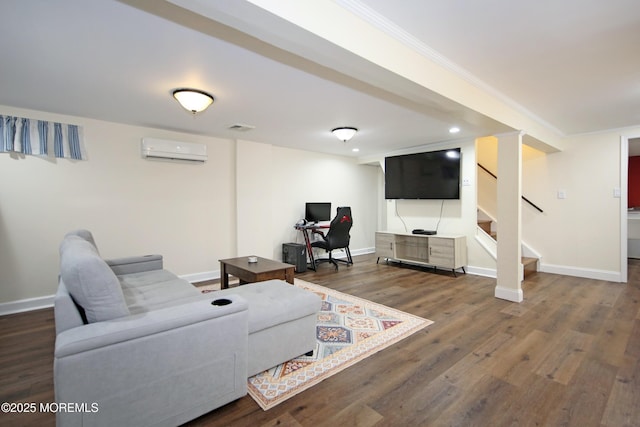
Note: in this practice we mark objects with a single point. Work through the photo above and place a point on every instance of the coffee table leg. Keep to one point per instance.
(224, 276)
(288, 275)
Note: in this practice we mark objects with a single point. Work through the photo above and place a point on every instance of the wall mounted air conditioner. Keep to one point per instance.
(165, 149)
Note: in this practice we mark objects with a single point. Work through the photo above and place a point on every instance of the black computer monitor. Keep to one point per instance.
(317, 211)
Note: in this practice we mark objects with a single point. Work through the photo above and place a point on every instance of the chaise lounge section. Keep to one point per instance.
(144, 347)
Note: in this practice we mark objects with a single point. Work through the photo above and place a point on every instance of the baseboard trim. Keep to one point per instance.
(481, 271)
(587, 273)
(340, 254)
(609, 276)
(513, 295)
(201, 277)
(28, 304)
(363, 251)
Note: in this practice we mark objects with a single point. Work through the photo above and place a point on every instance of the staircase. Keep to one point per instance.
(487, 199)
(530, 264)
(485, 224)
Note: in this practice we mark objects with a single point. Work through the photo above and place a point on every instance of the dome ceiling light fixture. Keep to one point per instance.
(344, 133)
(193, 100)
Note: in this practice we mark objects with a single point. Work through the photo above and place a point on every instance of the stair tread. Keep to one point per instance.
(530, 266)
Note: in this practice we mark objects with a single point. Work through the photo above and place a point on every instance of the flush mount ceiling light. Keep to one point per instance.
(344, 133)
(193, 100)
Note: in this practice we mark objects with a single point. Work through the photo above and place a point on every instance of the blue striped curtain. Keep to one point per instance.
(33, 137)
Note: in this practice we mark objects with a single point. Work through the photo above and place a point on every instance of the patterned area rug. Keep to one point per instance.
(349, 329)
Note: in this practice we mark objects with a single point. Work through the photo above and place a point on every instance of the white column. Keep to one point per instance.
(509, 265)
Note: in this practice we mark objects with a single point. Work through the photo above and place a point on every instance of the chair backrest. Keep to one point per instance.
(338, 234)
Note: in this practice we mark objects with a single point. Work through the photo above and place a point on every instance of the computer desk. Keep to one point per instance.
(305, 229)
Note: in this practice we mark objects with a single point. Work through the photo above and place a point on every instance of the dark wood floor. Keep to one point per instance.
(568, 355)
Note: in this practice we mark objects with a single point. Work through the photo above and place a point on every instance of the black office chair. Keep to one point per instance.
(337, 237)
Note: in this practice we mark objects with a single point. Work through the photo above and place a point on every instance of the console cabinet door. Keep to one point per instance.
(441, 252)
(384, 245)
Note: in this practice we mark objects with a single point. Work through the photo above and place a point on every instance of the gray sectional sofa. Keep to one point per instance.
(136, 345)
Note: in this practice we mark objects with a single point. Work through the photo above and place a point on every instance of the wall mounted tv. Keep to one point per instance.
(429, 175)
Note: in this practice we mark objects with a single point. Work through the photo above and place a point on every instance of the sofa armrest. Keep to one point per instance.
(161, 367)
(67, 313)
(135, 264)
(102, 334)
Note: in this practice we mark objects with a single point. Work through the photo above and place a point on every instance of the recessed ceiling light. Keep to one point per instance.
(454, 129)
(355, 150)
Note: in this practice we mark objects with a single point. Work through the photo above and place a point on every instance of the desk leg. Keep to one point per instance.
(224, 276)
(309, 249)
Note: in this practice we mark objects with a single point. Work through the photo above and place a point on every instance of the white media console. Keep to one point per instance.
(431, 250)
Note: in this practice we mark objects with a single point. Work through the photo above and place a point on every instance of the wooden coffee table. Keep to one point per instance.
(249, 272)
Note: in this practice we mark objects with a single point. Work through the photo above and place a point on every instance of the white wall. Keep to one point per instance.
(406, 215)
(579, 235)
(458, 216)
(254, 199)
(190, 213)
(487, 187)
(296, 177)
(132, 205)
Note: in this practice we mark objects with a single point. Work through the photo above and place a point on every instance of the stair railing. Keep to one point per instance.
(523, 198)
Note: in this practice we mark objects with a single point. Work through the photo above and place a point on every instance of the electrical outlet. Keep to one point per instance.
(562, 194)
(466, 182)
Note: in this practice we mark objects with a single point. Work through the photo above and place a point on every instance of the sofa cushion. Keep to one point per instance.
(90, 281)
(154, 289)
(274, 302)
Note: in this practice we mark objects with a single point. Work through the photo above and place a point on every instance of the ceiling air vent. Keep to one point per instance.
(239, 127)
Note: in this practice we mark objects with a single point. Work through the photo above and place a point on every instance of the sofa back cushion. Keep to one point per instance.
(84, 234)
(90, 281)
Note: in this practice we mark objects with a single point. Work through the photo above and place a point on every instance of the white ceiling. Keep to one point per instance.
(573, 65)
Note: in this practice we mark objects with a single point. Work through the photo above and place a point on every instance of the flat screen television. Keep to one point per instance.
(429, 175)
(317, 211)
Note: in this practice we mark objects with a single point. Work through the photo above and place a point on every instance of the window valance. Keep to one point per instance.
(41, 138)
